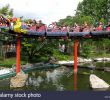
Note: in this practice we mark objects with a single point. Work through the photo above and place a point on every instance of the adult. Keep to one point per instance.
(53, 27)
(76, 28)
(40, 26)
(86, 27)
(64, 28)
(100, 27)
(108, 26)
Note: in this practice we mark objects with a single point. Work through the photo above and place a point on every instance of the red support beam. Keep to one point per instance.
(75, 55)
(75, 63)
(18, 48)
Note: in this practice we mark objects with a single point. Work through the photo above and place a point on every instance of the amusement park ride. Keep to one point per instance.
(54, 35)
(57, 35)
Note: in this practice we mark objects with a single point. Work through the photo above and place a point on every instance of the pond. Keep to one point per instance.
(60, 79)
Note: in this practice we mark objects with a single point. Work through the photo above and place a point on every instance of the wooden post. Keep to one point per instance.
(75, 63)
(18, 47)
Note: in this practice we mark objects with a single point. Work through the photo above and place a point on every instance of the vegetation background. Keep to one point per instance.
(36, 50)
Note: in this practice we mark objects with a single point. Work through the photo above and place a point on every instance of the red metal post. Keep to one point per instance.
(75, 55)
(18, 47)
(75, 63)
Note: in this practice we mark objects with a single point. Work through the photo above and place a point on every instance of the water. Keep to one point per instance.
(60, 79)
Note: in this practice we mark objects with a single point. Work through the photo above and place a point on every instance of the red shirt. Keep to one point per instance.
(108, 29)
(99, 28)
(33, 28)
(42, 28)
(64, 29)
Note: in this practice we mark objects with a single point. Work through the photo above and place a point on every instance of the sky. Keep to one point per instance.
(46, 10)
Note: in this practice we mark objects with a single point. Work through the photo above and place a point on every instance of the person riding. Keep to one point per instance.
(33, 25)
(100, 27)
(64, 28)
(76, 28)
(4, 21)
(53, 27)
(86, 27)
(40, 26)
(108, 26)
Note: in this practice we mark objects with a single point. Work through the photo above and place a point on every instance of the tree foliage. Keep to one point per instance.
(36, 49)
(95, 8)
(90, 11)
(67, 21)
(6, 10)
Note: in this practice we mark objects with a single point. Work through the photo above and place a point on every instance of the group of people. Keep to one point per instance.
(84, 28)
(18, 25)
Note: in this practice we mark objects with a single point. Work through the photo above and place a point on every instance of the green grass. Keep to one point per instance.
(9, 62)
(62, 56)
(100, 55)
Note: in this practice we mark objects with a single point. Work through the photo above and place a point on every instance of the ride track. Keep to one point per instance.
(56, 35)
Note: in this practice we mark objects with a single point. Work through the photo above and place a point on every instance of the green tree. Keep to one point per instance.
(6, 10)
(95, 8)
(67, 21)
(34, 49)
